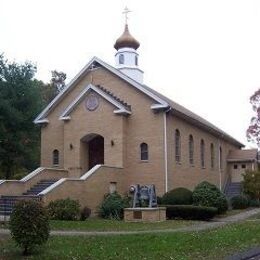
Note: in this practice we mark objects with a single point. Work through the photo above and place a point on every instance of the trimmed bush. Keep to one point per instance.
(113, 206)
(254, 203)
(239, 202)
(190, 212)
(178, 196)
(85, 213)
(64, 209)
(29, 225)
(159, 200)
(208, 195)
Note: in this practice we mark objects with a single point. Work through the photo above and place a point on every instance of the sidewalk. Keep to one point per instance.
(198, 227)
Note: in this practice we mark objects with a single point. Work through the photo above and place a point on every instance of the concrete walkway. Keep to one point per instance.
(217, 222)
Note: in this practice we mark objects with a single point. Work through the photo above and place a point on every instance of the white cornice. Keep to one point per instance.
(42, 117)
(120, 108)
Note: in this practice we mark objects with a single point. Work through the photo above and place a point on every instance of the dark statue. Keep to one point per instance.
(143, 196)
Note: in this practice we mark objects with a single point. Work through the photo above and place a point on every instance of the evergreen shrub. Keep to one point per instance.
(29, 225)
(178, 196)
(208, 195)
(239, 202)
(113, 206)
(64, 209)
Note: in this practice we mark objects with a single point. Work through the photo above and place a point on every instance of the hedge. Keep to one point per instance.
(239, 202)
(178, 196)
(190, 212)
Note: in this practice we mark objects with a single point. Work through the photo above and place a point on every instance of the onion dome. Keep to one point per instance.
(126, 40)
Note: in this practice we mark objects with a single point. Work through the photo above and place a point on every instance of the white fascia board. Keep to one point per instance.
(131, 82)
(68, 110)
(41, 121)
(45, 112)
(74, 103)
(122, 111)
(159, 106)
(120, 74)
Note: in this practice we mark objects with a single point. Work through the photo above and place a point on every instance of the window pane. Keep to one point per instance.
(144, 151)
(55, 157)
(202, 153)
(212, 156)
(220, 158)
(121, 59)
(191, 149)
(177, 146)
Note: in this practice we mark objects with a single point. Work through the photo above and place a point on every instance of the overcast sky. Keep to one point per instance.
(203, 54)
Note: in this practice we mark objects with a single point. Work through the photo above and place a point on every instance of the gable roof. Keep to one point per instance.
(242, 155)
(193, 118)
(41, 118)
(122, 108)
(161, 102)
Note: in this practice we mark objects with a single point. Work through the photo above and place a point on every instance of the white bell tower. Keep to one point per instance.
(126, 56)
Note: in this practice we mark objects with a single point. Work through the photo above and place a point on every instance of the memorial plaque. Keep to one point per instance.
(91, 102)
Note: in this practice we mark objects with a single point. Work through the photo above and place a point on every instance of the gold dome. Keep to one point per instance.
(126, 40)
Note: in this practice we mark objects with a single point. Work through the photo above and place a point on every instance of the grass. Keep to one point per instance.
(214, 244)
(96, 224)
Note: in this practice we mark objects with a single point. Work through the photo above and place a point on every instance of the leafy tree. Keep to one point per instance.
(20, 101)
(50, 90)
(29, 225)
(253, 131)
(251, 184)
(22, 97)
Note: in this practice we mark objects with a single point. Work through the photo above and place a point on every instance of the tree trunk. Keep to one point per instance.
(25, 251)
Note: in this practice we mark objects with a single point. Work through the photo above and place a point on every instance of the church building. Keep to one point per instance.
(107, 130)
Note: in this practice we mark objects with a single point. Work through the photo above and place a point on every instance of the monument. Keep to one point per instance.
(144, 205)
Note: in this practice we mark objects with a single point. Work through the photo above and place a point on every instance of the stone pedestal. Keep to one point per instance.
(145, 214)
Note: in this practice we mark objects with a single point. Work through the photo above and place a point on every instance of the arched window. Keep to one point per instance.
(202, 153)
(55, 157)
(121, 59)
(220, 158)
(191, 150)
(212, 156)
(144, 151)
(136, 60)
(177, 146)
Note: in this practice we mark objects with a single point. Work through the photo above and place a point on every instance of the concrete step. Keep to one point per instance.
(39, 187)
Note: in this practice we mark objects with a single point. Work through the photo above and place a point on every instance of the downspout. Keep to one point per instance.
(219, 165)
(165, 148)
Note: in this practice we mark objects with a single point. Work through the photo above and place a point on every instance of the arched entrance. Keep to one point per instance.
(92, 151)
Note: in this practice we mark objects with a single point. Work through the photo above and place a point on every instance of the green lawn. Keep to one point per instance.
(214, 244)
(97, 224)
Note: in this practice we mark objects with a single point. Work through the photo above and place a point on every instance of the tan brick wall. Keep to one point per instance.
(237, 174)
(147, 215)
(90, 192)
(186, 175)
(102, 121)
(18, 187)
(142, 126)
(128, 133)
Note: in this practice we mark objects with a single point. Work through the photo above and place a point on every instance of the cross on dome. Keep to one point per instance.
(126, 39)
(125, 12)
